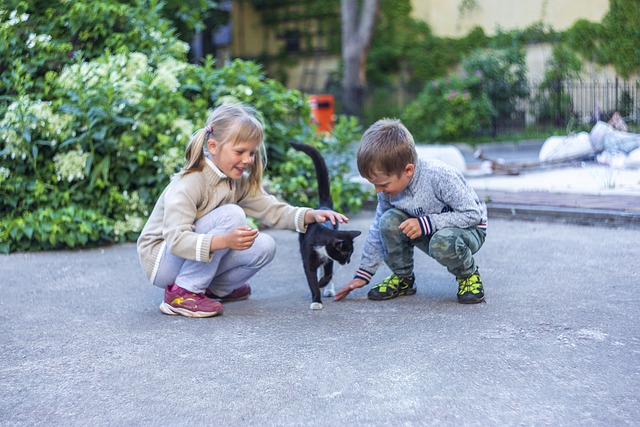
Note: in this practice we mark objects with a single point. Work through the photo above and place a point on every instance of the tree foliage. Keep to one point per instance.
(88, 142)
(615, 41)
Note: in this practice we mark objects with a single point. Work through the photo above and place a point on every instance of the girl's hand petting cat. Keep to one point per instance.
(322, 215)
(238, 239)
(353, 284)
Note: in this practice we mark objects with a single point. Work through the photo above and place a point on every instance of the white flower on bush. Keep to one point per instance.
(4, 174)
(182, 129)
(171, 160)
(133, 221)
(166, 79)
(130, 224)
(70, 166)
(38, 116)
(133, 204)
(120, 72)
(33, 40)
(14, 18)
(137, 64)
(167, 74)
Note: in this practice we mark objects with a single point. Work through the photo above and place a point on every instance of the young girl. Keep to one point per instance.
(196, 244)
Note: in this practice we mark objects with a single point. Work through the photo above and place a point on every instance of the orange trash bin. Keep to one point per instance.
(322, 111)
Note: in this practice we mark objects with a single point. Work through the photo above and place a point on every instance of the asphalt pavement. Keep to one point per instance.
(556, 343)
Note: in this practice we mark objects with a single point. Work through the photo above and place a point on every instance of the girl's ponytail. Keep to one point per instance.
(194, 153)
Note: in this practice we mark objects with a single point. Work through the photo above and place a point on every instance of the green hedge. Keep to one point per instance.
(87, 144)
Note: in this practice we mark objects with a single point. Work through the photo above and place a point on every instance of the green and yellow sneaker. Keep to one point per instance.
(470, 290)
(393, 287)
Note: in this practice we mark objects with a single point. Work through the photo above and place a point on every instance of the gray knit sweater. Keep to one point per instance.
(438, 195)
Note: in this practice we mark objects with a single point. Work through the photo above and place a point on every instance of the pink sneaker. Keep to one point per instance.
(237, 294)
(178, 301)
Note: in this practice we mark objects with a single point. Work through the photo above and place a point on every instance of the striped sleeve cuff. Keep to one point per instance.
(425, 225)
(202, 247)
(299, 220)
(364, 275)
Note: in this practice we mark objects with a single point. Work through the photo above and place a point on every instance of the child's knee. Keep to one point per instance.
(228, 216)
(444, 245)
(266, 247)
(235, 214)
(390, 221)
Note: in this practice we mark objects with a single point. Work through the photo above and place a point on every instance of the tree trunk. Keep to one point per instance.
(357, 31)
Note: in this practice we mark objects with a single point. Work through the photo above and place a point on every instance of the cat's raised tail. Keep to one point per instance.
(322, 173)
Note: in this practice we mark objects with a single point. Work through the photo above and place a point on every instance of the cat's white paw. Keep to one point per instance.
(316, 306)
(329, 290)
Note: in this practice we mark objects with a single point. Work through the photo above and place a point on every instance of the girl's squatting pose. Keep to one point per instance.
(196, 244)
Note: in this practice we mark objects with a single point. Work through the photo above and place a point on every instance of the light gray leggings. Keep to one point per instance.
(228, 269)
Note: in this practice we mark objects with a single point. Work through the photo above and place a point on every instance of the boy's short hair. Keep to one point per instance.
(387, 147)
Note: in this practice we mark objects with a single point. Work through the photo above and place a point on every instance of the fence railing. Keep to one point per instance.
(587, 101)
(559, 104)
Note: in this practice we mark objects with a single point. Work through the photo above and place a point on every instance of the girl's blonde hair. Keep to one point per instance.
(387, 147)
(229, 123)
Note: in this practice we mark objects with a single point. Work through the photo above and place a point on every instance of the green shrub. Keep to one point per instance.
(88, 142)
(448, 109)
(504, 78)
(295, 180)
(554, 104)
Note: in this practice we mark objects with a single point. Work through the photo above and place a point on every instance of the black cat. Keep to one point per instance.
(323, 243)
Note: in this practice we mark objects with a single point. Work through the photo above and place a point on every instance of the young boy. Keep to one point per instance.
(421, 203)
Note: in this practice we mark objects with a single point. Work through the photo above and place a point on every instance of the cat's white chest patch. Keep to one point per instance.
(322, 253)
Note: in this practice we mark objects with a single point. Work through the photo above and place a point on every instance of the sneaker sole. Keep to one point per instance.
(176, 311)
(231, 299)
(408, 292)
(474, 301)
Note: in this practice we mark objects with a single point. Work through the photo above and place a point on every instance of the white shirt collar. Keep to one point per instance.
(215, 168)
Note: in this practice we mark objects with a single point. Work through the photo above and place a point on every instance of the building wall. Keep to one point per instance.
(446, 21)
(251, 39)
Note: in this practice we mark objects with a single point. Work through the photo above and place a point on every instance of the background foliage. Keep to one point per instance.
(93, 124)
(449, 108)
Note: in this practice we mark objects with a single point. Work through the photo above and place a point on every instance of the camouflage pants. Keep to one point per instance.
(452, 247)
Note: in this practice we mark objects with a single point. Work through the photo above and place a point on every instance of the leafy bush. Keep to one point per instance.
(504, 78)
(46, 36)
(87, 148)
(295, 180)
(554, 103)
(448, 109)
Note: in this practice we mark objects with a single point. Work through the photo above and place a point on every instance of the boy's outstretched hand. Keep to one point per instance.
(353, 284)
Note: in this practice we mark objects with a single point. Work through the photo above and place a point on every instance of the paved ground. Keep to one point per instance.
(556, 343)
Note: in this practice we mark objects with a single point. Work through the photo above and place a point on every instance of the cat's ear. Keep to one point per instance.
(352, 234)
(345, 235)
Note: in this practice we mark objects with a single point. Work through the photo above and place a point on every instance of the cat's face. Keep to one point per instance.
(340, 248)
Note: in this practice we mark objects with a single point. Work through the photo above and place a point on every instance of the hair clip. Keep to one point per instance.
(208, 129)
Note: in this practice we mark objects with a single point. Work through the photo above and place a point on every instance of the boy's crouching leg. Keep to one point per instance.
(454, 248)
(398, 250)
(398, 255)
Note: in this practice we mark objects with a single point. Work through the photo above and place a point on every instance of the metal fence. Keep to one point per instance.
(581, 101)
(569, 103)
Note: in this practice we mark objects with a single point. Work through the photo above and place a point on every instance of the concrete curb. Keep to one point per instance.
(566, 215)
